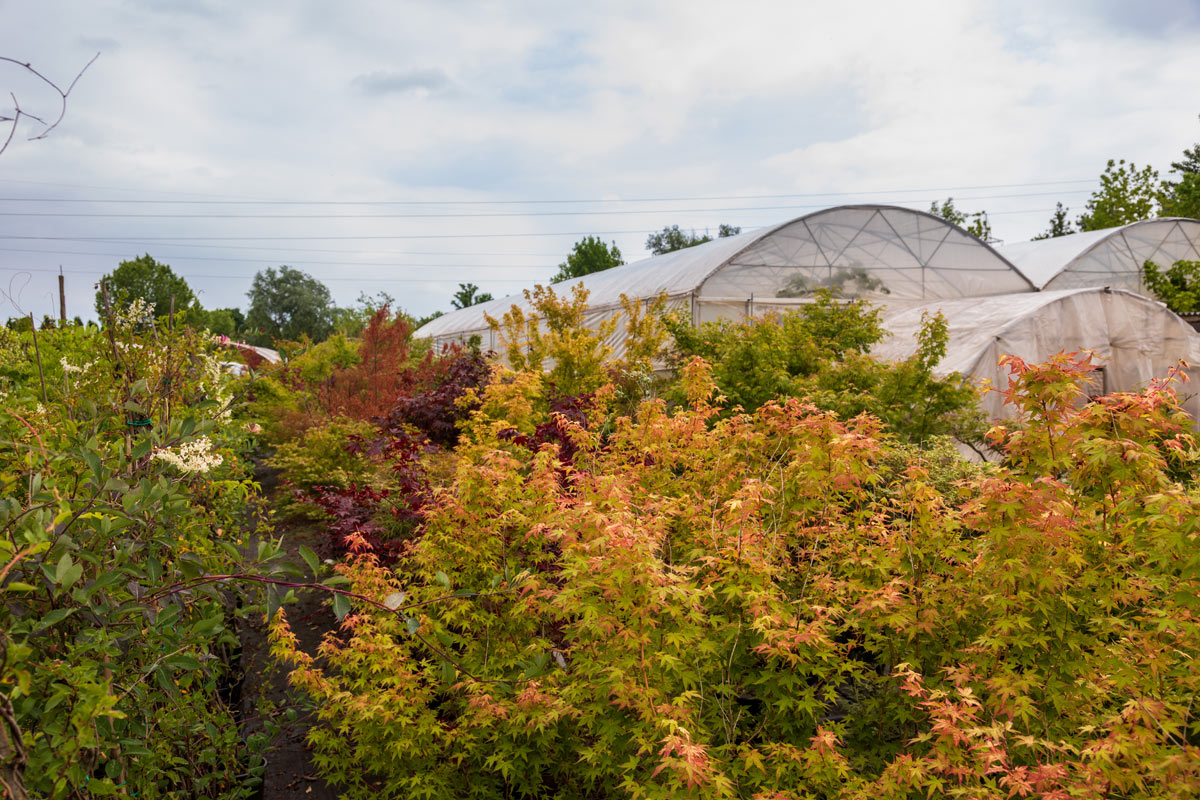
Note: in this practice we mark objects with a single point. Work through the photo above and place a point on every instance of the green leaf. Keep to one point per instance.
(310, 558)
(187, 426)
(94, 464)
(448, 672)
(183, 661)
(413, 624)
(19, 586)
(341, 606)
(142, 448)
(57, 615)
(60, 571)
(208, 625)
(442, 578)
(74, 573)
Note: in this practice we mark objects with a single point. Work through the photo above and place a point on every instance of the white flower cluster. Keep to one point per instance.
(193, 456)
(139, 311)
(68, 367)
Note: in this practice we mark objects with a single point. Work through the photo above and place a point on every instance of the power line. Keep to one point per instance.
(476, 215)
(127, 239)
(548, 201)
(199, 276)
(289, 261)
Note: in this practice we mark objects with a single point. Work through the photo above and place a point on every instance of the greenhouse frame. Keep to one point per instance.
(881, 252)
(1111, 257)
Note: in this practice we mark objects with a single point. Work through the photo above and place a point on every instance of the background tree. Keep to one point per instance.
(975, 223)
(226, 321)
(288, 304)
(1059, 225)
(1126, 194)
(468, 295)
(1178, 286)
(671, 238)
(146, 279)
(1182, 198)
(589, 255)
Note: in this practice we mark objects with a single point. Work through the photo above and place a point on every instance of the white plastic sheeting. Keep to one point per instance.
(1110, 257)
(881, 252)
(1135, 338)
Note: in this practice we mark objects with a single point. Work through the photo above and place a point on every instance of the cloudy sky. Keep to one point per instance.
(410, 146)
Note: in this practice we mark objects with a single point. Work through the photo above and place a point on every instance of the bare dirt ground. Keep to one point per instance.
(290, 774)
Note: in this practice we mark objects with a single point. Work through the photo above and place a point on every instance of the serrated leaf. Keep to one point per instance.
(310, 558)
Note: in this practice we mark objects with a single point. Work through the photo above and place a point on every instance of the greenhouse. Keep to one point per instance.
(1111, 257)
(881, 252)
(1134, 338)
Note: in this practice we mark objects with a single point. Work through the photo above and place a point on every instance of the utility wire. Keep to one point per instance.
(685, 198)
(474, 215)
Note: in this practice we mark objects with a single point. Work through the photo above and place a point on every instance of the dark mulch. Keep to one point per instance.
(290, 774)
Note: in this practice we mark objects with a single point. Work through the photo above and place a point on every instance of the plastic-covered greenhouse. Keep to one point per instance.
(1111, 257)
(1135, 338)
(883, 252)
(1078, 292)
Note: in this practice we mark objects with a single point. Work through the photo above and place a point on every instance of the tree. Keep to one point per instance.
(975, 223)
(672, 238)
(1182, 198)
(1059, 225)
(145, 279)
(226, 321)
(468, 295)
(1178, 286)
(1126, 194)
(288, 304)
(589, 255)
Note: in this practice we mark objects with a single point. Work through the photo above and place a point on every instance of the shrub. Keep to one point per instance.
(123, 487)
(767, 605)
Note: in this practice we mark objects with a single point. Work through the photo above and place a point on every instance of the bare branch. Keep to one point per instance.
(19, 112)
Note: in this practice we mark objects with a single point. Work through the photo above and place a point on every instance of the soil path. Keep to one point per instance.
(290, 774)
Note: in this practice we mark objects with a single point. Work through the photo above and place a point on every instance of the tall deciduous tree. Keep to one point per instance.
(1059, 225)
(975, 222)
(672, 238)
(589, 255)
(288, 304)
(1126, 194)
(146, 279)
(468, 295)
(1182, 198)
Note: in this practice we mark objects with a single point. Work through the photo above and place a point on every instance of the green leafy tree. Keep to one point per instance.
(1059, 225)
(226, 321)
(1178, 286)
(145, 279)
(468, 295)
(975, 223)
(589, 255)
(671, 238)
(1126, 194)
(1182, 198)
(288, 304)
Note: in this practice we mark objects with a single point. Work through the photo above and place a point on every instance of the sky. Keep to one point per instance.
(409, 147)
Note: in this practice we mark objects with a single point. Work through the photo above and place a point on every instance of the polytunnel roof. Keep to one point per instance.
(1107, 257)
(863, 250)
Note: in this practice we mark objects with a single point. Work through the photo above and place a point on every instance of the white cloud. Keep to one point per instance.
(480, 101)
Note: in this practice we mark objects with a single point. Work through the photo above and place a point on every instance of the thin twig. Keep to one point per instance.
(20, 112)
